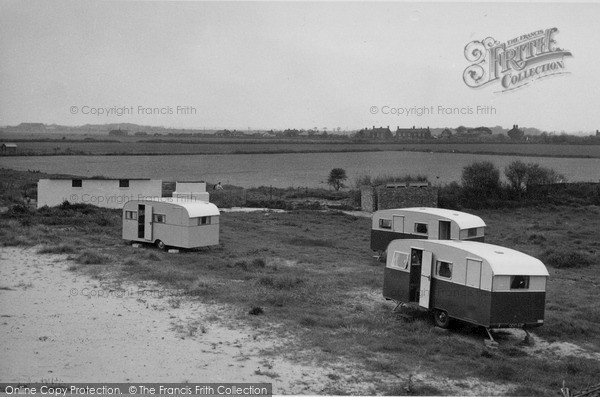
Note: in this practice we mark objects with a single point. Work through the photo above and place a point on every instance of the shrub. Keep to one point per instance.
(91, 258)
(256, 310)
(59, 249)
(481, 179)
(282, 282)
(258, 263)
(131, 262)
(152, 256)
(566, 259)
(336, 178)
(19, 211)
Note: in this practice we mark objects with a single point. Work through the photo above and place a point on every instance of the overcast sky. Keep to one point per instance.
(285, 65)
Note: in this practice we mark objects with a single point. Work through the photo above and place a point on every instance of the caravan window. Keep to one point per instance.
(519, 282)
(204, 220)
(159, 218)
(400, 260)
(123, 182)
(472, 232)
(76, 183)
(385, 223)
(443, 269)
(421, 228)
(131, 215)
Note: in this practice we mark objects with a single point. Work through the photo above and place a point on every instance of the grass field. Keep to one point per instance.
(310, 276)
(178, 145)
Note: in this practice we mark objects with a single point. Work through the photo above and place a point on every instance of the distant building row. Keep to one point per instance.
(400, 133)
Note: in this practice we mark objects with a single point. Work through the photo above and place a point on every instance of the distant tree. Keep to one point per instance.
(481, 179)
(516, 173)
(538, 175)
(516, 134)
(522, 177)
(461, 129)
(337, 176)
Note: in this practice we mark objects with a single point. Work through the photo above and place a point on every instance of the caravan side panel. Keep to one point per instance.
(204, 235)
(461, 302)
(512, 309)
(396, 285)
(380, 239)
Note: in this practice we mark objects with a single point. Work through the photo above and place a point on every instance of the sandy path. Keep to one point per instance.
(51, 332)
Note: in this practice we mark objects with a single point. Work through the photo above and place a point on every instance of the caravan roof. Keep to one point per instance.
(194, 208)
(503, 261)
(462, 219)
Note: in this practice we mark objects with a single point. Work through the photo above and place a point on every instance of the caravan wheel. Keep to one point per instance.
(160, 245)
(441, 318)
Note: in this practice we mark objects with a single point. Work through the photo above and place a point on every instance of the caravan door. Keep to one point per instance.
(148, 223)
(398, 224)
(426, 268)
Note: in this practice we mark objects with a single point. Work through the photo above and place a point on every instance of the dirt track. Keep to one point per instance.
(53, 331)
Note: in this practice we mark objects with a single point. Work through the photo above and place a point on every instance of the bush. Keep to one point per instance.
(522, 177)
(19, 211)
(256, 263)
(131, 262)
(481, 179)
(336, 178)
(91, 258)
(282, 282)
(566, 259)
(256, 310)
(60, 249)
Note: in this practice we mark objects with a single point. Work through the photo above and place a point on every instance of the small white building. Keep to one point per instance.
(8, 148)
(191, 190)
(107, 193)
(171, 222)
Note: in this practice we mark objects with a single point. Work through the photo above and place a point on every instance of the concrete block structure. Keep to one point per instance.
(398, 195)
(191, 191)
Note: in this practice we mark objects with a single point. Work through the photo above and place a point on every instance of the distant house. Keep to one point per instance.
(8, 148)
(446, 133)
(375, 133)
(118, 132)
(465, 132)
(516, 134)
(413, 133)
(224, 133)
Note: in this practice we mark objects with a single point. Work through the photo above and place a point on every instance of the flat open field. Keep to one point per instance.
(75, 144)
(315, 291)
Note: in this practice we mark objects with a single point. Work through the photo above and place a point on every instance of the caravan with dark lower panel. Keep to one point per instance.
(171, 222)
(423, 223)
(483, 284)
